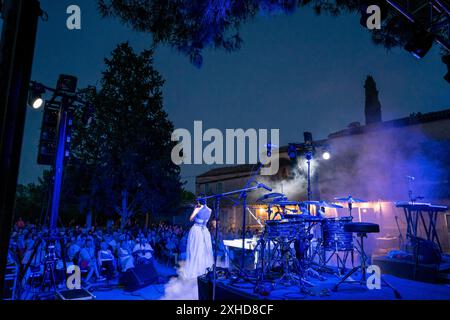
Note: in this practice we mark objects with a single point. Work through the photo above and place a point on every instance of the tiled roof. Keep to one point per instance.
(415, 118)
(227, 170)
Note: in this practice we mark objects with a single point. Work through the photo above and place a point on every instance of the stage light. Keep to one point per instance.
(292, 151)
(35, 96)
(420, 43)
(326, 155)
(37, 103)
(67, 83)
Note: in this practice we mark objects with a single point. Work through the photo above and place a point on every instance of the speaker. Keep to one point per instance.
(139, 277)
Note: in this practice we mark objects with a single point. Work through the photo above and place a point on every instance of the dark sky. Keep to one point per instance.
(296, 73)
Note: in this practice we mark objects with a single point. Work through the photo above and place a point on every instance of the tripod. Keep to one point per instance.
(49, 273)
(49, 276)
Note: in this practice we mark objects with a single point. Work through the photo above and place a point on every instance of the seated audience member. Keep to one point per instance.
(143, 251)
(73, 250)
(88, 261)
(125, 257)
(129, 242)
(107, 260)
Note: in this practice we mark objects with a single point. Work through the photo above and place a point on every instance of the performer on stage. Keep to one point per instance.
(199, 254)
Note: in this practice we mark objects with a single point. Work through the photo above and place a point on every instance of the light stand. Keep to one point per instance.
(66, 92)
(308, 150)
(309, 156)
(59, 161)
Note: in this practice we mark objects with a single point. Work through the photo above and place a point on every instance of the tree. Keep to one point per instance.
(372, 105)
(122, 160)
(30, 201)
(80, 186)
(187, 197)
(191, 26)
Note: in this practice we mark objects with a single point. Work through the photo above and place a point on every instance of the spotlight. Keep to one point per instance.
(446, 60)
(37, 103)
(35, 99)
(326, 155)
(420, 43)
(292, 151)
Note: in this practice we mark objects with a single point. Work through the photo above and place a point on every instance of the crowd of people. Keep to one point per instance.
(101, 253)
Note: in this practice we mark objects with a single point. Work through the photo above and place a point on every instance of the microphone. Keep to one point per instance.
(262, 185)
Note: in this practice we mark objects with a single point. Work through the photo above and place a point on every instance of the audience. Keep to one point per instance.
(103, 253)
(99, 252)
(88, 261)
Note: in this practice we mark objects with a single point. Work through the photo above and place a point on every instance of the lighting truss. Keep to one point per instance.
(433, 16)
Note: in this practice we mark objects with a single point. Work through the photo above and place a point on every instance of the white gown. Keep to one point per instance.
(199, 253)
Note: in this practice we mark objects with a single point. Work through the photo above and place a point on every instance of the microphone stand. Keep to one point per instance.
(400, 236)
(216, 245)
(218, 197)
(244, 214)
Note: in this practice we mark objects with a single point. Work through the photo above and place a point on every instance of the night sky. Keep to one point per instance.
(296, 73)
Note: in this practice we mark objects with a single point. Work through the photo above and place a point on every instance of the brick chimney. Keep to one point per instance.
(373, 106)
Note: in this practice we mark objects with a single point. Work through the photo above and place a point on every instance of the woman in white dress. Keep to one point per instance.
(199, 253)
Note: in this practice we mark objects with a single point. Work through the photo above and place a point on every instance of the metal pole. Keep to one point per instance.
(216, 242)
(309, 180)
(244, 207)
(16, 58)
(59, 163)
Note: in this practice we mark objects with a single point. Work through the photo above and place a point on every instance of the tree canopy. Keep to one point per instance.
(191, 26)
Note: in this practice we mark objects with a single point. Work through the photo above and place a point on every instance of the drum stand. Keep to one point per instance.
(263, 259)
(341, 261)
(288, 273)
(321, 252)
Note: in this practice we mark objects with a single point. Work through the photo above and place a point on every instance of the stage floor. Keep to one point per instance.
(409, 290)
